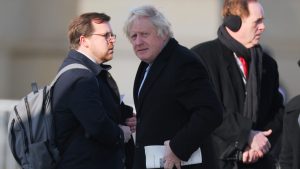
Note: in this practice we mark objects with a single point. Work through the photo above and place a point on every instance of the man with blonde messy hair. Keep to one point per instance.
(175, 102)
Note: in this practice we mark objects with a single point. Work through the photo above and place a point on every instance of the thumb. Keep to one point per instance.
(267, 133)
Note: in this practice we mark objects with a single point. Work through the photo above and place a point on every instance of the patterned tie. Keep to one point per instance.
(145, 75)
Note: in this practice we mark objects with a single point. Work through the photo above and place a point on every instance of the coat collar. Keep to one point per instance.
(75, 56)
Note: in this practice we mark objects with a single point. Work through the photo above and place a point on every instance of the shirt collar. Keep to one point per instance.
(89, 57)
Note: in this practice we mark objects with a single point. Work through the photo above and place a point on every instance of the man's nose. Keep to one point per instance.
(138, 40)
(112, 40)
(262, 26)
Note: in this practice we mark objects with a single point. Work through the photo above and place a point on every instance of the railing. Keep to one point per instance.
(6, 159)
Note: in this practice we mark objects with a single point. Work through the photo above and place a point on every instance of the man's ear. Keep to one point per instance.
(83, 41)
(233, 22)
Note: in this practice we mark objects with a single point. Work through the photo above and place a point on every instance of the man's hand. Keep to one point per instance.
(170, 159)
(131, 123)
(250, 156)
(259, 142)
(126, 132)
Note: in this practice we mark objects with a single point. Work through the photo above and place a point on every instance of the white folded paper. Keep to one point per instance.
(155, 154)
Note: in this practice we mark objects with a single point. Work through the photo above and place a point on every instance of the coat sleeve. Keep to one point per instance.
(194, 92)
(126, 112)
(276, 109)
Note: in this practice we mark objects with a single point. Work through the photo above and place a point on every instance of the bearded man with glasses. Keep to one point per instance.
(92, 128)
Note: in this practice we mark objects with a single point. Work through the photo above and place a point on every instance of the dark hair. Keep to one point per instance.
(82, 26)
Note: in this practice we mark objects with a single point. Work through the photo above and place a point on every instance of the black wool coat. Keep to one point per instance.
(232, 135)
(176, 103)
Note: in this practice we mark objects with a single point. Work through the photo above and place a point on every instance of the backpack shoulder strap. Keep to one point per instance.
(66, 68)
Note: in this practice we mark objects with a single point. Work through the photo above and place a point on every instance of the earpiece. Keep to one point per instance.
(233, 22)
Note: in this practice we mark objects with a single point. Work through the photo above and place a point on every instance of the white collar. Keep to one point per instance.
(91, 58)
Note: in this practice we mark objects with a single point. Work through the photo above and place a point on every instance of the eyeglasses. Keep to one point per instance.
(108, 35)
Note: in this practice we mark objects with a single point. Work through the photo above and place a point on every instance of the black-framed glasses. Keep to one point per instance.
(107, 35)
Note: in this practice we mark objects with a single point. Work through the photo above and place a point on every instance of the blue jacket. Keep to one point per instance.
(87, 112)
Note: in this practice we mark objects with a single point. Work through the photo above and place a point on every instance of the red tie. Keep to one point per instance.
(245, 66)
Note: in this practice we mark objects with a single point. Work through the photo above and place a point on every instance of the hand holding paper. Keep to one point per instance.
(155, 157)
(170, 159)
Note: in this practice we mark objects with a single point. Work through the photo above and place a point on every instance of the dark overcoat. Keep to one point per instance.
(233, 134)
(176, 103)
(87, 112)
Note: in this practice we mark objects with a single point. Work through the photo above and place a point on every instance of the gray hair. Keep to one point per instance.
(162, 25)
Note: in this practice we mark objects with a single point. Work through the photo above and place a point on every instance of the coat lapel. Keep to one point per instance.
(235, 78)
(113, 85)
(137, 82)
(154, 72)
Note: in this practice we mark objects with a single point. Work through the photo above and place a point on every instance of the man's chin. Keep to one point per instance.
(142, 57)
(254, 43)
(256, 40)
(108, 58)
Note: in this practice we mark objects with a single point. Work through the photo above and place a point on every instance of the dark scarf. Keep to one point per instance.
(253, 56)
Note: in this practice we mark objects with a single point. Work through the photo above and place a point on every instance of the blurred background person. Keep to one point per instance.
(290, 150)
